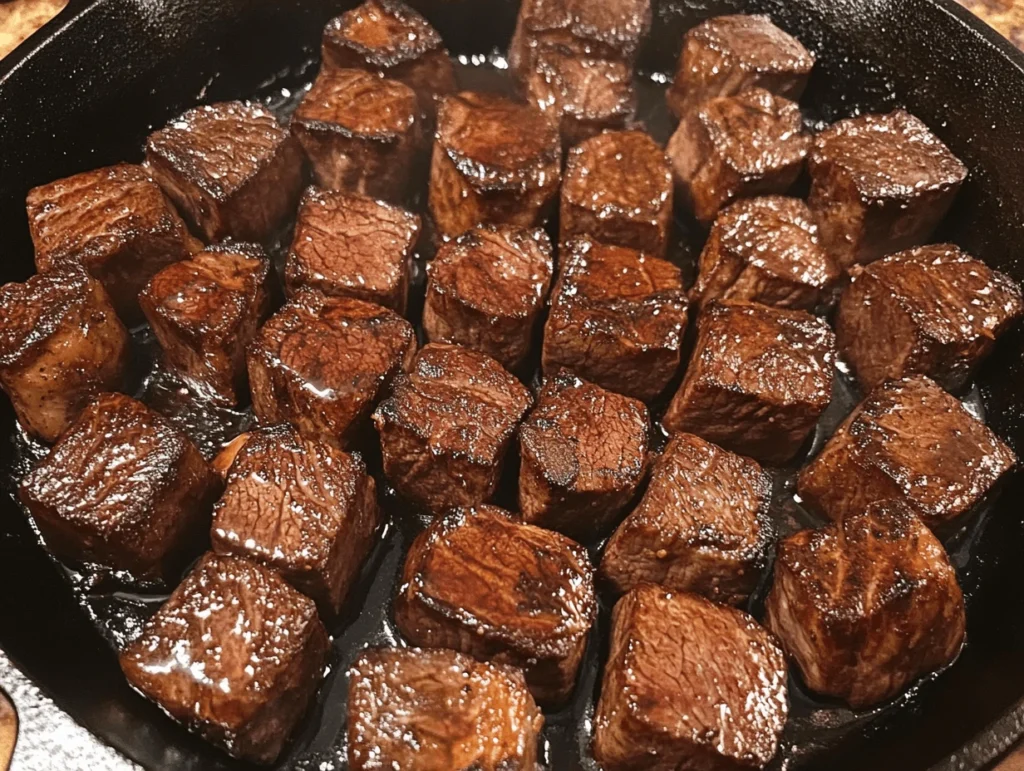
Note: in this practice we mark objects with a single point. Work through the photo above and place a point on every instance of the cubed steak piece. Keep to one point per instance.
(758, 380)
(618, 189)
(206, 310)
(61, 343)
(348, 245)
(235, 654)
(494, 162)
(737, 147)
(688, 684)
(447, 425)
(116, 223)
(910, 441)
(866, 606)
(439, 710)
(880, 184)
(124, 489)
(390, 38)
(583, 454)
(584, 96)
(301, 507)
(486, 289)
(230, 167)
(322, 364)
(617, 318)
(727, 55)
(603, 29)
(934, 311)
(360, 132)
(702, 526)
(766, 250)
(480, 582)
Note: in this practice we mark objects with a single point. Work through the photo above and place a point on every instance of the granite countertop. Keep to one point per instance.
(20, 18)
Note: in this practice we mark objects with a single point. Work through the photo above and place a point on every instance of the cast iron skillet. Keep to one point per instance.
(87, 90)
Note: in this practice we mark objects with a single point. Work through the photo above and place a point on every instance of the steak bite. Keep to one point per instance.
(206, 310)
(583, 454)
(61, 343)
(758, 380)
(494, 162)
(351, 246)
(688, 684)
(301, 507)
(934, 310)
(116, 223)
(701, 527)
(618, 189)
(880, 184)
(486, 289)
(322, 364)
(910, 441)
(602, 29)
(766, 250)
(390, 38)
(727, 55)
(584, 96)
(617, 318)
(230, 167)
(737, 147)
(446, 427)
(124, 489)
(360, 132)
(439, 709)
(868, 605)
(235, 654)
(482, 583)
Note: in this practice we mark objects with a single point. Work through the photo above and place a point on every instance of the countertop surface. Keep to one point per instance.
(18, 20)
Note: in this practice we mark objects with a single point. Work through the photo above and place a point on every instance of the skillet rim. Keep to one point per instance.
(987, 745)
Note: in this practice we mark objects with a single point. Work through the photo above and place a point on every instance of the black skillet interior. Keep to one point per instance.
(107, 72)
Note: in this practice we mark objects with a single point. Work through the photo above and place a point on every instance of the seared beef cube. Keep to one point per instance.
(584, 96)
(688, 684)
(758, 380)
(737, 147)
(584, 453)
(61, 343)
(323, 363)
(486, 289)
(485, 584)
(604, 29)
(235, 654)
(932, 311)
(390, 38)
(116, 223)
(908, 441)
(766, 250)
(618, 189)
(494, 162)
(617, 318)
(438, 709)
(206, 310)
(867, 605)
(299, 506)
(122, 488)
(727, 55)
(230, 167)
(701, 527)
(880, 184)
(351, 246)
(360, 132)
(447, 425)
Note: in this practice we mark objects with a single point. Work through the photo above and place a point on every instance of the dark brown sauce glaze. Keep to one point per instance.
(118, 609)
